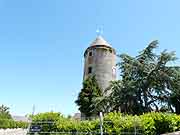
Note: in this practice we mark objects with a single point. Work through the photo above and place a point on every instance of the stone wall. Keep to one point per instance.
(17, 131)
(103, 62)
(175, 133)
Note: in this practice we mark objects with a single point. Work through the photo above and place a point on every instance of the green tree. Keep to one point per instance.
(4, 112)
(146, 82)
(110, 99)
(87, 97)
(175, 95)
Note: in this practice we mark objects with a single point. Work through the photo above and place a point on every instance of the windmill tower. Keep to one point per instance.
(100, 60)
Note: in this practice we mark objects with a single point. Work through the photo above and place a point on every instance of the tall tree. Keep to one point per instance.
(175, 95)
(87, 97)
(146, 81)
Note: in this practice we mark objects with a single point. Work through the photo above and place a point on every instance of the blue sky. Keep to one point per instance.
(42, 44)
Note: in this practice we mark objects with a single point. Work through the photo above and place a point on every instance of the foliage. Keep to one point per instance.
(146, 84)
(115, 123)
(175, 95)
(47, 120)
(47, 116)
(6, 120)
(87, 97)
(148, 124)
(9, 123)
(4, 112)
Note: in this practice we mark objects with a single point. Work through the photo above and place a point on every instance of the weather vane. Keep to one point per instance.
(99, 31)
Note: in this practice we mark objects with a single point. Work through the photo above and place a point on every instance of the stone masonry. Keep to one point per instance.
(100, 60)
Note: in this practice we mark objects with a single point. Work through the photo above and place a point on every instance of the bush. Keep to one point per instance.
(159, 123)
(9, 123)
(47, 120)
(147, 124)
(117, 123)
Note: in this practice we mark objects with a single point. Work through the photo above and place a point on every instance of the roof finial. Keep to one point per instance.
(99, 31)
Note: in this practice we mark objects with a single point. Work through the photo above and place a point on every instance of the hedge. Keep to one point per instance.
(116, 123)
(148, 124)
(9, 123)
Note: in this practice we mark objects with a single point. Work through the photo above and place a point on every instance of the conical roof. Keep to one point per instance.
(100, 41)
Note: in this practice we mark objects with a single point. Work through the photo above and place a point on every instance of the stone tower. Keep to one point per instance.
(100, 60)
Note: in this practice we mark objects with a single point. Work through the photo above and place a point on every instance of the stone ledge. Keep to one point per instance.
(17, 131)
(175, 133)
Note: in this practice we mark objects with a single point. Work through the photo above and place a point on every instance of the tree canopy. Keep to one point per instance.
(87, 97)
(148, 82)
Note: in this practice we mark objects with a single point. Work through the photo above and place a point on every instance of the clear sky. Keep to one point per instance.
(42, 44)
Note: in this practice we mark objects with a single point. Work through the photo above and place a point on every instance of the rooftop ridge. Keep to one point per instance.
(100, 41)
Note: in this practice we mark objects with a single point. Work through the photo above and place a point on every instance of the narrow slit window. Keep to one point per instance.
(90, 53)
(89, 70)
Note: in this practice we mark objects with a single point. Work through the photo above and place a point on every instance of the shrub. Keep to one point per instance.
(159, 123)
(9, 123)
(117, 122)
(114, 123)
(47, 120)
(148, 124)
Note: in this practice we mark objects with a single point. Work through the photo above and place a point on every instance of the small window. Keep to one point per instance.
(110, 50)
(90, 53)
(89, 70)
